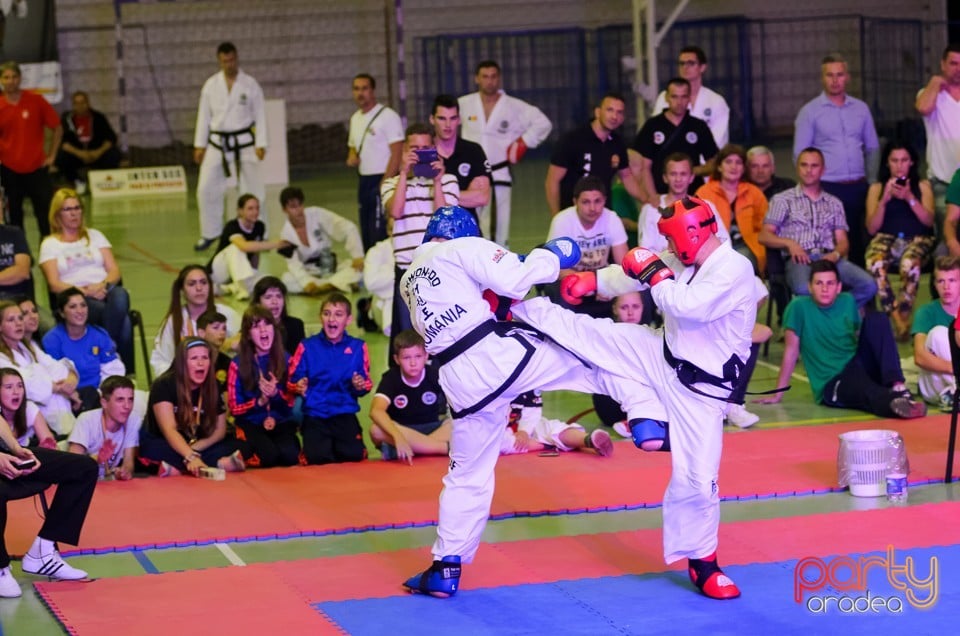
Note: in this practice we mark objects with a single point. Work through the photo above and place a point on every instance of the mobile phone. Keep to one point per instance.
(423, 167)
(902, 181)
(549, 451)
(24, 465)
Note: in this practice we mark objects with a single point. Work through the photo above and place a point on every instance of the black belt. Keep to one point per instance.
(689, 374)
(475, 335)
(229, 143)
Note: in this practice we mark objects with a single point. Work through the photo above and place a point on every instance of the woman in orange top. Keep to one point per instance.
(740, 205)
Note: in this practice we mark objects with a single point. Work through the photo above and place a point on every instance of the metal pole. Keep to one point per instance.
(401, 65)
(121, 80)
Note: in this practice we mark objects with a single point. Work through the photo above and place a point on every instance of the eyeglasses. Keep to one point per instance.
(688, 63)
(72, 208)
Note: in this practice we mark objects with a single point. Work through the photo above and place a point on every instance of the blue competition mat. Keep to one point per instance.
(666, 603)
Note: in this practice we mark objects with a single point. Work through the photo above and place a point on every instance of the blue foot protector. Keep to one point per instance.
(441, 579)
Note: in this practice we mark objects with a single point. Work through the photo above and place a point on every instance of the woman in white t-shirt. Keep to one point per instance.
(77, 256)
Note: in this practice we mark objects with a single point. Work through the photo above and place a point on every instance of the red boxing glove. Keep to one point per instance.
(516, 150)
(645, 266)
(577, 285)
(499, 305)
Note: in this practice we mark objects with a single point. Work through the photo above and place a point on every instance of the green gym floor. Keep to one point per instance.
(153, 238)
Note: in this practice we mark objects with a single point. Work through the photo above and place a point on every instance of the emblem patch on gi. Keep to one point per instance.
(658, 137)
(691, 137)
(463, 169)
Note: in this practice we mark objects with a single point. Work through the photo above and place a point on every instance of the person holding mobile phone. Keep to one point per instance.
(900, 218)
(410, 199)
(25, 472)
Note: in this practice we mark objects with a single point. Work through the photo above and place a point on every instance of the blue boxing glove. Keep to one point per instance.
(565, 249)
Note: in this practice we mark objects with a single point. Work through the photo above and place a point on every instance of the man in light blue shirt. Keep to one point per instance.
(842, 128)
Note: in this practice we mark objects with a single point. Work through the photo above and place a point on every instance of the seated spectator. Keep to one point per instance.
(111, 433)
(15, 262)
(601, 237)
(740, 205)
(235, 263)
(271, 292)
(27, 423)
(310, 235)
(678, 175)
(808, 224)
(852, 362)
(75, 477)
(51, 384)
(952, 215)
(626, 208)
(212, 327)
(528, 431)
(76, 256)
(186, 420)
(31, 321)
(409, 409)
(259, 399)
(88, 347)
(190, 296)
(378, 267)
(736, 412)
(331, 370)
(900, 220)
(761, 170)
(89, 142)
(931, 344)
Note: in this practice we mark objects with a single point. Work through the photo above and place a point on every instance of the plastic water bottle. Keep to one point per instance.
(897, 488)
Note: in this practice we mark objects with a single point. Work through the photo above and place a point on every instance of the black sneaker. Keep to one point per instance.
(364, 321)
(907, 409)
(203, 244)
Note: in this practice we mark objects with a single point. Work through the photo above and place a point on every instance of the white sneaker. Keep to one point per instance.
(739, 416)
(53, 566)
(601, 442)
(622, 429)
(81, 187)
(9, 588)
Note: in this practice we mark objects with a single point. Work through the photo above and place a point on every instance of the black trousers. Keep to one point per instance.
(327, 440)
(265, 449)
(38, 186)
(76, 478)
(155, 448)
(854, 199)
(70, 165)
(401, 315)
(373, 225)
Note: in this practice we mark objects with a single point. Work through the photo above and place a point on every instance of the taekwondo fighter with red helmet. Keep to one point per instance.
(485, 365)
(705, 291)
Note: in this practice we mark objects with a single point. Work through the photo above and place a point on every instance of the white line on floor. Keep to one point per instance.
(773, 367)
(230, 554)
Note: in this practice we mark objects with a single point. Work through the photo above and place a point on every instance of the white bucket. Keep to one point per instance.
(864, 458)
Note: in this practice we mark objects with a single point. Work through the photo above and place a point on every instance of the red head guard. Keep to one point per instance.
(688, 222)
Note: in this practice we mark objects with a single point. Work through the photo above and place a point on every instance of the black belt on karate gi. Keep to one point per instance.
(503, 164)
(230, 142)
(478, 333)
(689, 374)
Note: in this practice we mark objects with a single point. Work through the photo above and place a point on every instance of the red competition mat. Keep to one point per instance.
(306, 501)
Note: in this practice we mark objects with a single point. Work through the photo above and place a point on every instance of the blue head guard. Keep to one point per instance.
(450, 222)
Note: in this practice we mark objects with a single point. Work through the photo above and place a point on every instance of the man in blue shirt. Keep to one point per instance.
(842, 128)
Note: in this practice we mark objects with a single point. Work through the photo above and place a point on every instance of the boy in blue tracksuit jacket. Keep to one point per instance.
(332, 371)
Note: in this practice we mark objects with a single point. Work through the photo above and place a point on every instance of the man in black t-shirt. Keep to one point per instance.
(594, 149)
(673, 130)
(14, 264)
(461, 158)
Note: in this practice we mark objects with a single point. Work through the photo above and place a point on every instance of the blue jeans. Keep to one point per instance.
(113, 314)
(855, 280)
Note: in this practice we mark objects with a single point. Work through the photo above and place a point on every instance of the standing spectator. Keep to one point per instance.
(930, 329)
(598, 232)
(807, 224)
(410, 200)
(373, 148)
(15, 261)
(77, 256)
(230, 119)
(592, 149)
(841, 127)
(705, 104)
(463, 159)
(234, 267)
(505, 127)
(258, 395)
(761, 172)
(673, 130)
(939, 104)
(952, 218)
(270, 292)
(89, 142)
(24, 163)
(186, 419)
(900, 220)
(310, 234)
(740, 205)
(332, 371)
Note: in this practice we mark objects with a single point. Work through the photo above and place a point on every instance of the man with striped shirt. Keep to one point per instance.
(409, 201)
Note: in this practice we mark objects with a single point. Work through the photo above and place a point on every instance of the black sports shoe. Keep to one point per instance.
(364, 321)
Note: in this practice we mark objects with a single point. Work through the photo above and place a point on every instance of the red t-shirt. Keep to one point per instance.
(21, 131)
(83, 125)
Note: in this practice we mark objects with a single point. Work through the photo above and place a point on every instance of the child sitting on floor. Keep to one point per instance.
(528, 431)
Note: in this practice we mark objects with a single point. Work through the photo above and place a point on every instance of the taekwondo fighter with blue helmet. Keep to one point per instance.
(485, 365)
(705, 290)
